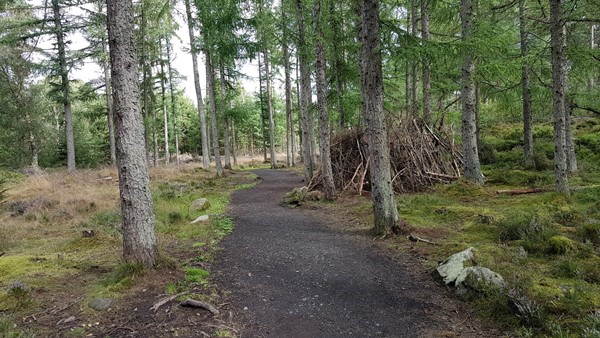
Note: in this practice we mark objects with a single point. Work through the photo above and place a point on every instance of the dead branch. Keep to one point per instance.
(521, 191)
(199, 304)
(165, 300)
(418, 239)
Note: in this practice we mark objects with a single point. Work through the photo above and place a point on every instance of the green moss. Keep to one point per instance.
(196, 275)
(560, 245)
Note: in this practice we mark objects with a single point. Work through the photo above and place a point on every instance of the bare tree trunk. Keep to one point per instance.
(559, 89)
(384, 202)
(163, 93)
(109, 108)
(289, 131)
(472, 168)
(262, 109)
(270, 105)
(427, 116)
(146, 86)
(337, 63)
(592, 47)
(299, 104)
(210, 85)
(233, 143)
(225, 118)
(65, 87)
(139, 240)
(305, 93)
(321, 79)
(201, 113)
(569, 144)
(154, 118)
(173, 106)
(415, 67)
(526, 88)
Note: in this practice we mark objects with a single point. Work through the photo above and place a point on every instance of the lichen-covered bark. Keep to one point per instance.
(199, 102)
(559, 90)
(384, 202)
(472, 167)
(139, 241)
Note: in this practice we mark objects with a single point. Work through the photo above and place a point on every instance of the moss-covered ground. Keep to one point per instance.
(48, 268)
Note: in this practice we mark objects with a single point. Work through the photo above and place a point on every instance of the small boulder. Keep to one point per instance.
(477, 280)
(200, 204)
(295, 197)
(100, 304)
(455, 264)
(202, 218)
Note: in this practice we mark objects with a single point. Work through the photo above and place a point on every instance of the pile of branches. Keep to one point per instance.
(419, 158)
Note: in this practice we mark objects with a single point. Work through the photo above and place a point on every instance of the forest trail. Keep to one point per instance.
(292, 276)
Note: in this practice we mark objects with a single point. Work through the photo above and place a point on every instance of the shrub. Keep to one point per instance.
(591, 232)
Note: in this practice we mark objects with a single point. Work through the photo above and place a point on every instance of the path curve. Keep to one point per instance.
(291, 276)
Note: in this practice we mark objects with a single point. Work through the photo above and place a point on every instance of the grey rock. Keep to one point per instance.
(455, 264)
(100, 304)
(200, 204)
(478, 280)
(202, 218)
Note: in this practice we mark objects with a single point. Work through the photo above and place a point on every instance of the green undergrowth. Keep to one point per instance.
(56, 254)
(545, 245)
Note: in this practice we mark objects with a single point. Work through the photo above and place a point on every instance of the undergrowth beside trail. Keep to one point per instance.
(545, 245)
(47, 263)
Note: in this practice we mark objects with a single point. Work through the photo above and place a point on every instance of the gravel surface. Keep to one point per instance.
(292, 276)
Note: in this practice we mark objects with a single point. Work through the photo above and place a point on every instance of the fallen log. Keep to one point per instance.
(418, 239)
(199, 304)
(521, 191)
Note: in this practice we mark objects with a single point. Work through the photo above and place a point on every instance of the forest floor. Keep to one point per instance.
(291, 275)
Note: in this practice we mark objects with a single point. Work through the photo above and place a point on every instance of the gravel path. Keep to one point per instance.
(292, 276)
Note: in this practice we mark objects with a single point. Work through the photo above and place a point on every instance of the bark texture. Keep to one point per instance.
(308, 150)
(324, 132)
(270, 106)
(210, 86)
(199, 102)
(384, 202)
(472, 167)
(559, 92)
(139, 241)
(526, 88)
(289, 118)
(222, 105)
(64, 84)
(109, 107)
(425, 35)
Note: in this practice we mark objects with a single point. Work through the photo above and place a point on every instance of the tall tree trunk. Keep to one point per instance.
(472, 167)
(270, 106)
(154, 118)
(233, 143)
(559, 90)
(427, 116)
(337, 63)
(321, 79)
(592, 47)
(210, 85)
(415, 67)
(526, 88)
(262, 109)
(201, 113)
(305, 93)
(569, 144)
(298, 109)
(384, 201)
(173, 108)
(109, 107)
(139, 240)
(225, 118)
(146, 86)
(64, 86)
(289, 120)
(163, 92)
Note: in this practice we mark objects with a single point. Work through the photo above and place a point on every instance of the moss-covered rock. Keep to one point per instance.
(559, 245)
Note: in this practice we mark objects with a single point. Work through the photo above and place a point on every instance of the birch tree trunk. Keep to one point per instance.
(64, 85)
(384, 201)
(321, 79)
(199, 102)
(559, 91)
(139, 240)
(472, 168)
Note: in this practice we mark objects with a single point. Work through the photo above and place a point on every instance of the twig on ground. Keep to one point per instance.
(165, 300)
(418, 239)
